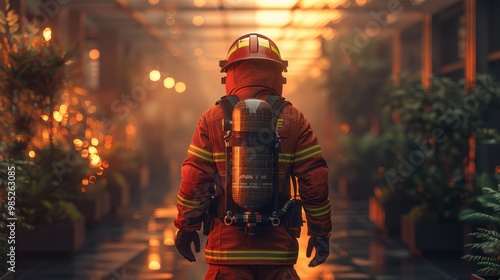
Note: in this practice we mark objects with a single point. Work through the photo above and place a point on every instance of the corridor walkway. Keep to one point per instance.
(137, 244)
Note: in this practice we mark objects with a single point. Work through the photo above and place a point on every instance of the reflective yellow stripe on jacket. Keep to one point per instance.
(193, 204)
(307, 153)
(319, 211)
(243, 255)
(200, 153)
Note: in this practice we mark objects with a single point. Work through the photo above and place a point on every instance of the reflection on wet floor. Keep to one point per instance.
(139, 244)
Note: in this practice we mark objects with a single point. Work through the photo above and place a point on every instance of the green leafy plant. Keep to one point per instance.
(437, 123)
(485, 251)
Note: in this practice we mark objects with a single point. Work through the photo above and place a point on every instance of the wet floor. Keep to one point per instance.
(137, 244)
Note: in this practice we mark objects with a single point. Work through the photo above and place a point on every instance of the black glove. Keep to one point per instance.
(322, 245)
(183, 244)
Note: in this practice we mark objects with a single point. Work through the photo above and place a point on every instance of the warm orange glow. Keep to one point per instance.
(198, 52)
(180, 87)
(154, 265)
(361, 3)
(92, 109)
(84, 189)
(151, 225)
(170, 21)
(497, 169)
(154, 75)
(198, 21)
(94, 160)
(45, 135)
(94, 141)
(92, 150)
(92, 179)
(108, 138)
(329, 33)
(315, 72)
(200, 3)
(100, 170)
(154, 242)
(85, 153)
(130, 129)
(45, 117)
(57, 116)
(169, 82)
(105, 164)
(79, 117)
(31, 154)
(85, 181)
(279, 18)
(47, 34)
(153, 2)
(94, 54)
(168, 236)
(63, 109)
(107, 145)
(78, 143)
(345, 128)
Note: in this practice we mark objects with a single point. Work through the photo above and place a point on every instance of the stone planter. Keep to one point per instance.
(94, 209)
(422, 238)
(387, 218)
(65, 238)
(119, 197)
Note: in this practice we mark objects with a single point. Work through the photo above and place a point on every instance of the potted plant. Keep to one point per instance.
(484, 212)
(429, 160)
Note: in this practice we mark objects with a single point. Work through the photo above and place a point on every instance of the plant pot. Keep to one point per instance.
(94, 208)
(137, 178)
(119, 197)
(7, 276)
(422, 237)
(64, 238)
(387, 218)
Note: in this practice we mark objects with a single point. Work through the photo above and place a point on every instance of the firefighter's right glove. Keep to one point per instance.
(322, 246)
(183, 244)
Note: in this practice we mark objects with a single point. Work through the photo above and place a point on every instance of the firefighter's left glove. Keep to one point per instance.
(322, 246)
(183, 244)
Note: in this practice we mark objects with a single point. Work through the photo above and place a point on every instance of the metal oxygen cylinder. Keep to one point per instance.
(253, 131)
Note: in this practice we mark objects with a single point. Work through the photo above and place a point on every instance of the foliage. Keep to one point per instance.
(48, 130)
(436, 124)
(485, 252)
(4, 250)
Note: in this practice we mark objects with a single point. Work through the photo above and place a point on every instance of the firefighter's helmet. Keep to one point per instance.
(253, 46)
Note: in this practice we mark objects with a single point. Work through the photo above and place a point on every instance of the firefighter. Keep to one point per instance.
(253, 68)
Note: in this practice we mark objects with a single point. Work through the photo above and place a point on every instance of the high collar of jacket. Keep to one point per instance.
(246, 78)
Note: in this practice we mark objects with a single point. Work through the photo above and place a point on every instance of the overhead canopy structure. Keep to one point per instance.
(199, 31)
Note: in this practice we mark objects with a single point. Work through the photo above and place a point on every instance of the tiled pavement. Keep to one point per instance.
(138, 244)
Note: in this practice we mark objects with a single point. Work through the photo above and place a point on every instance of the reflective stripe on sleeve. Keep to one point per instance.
(307, 153)
(319, 211)
(193, 204)
(200, 153)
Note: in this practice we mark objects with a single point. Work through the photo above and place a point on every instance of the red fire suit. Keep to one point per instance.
(300, 153)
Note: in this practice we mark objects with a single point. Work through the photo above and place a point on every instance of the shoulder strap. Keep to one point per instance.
(227, 103)
(277, 103)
